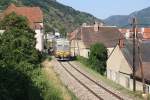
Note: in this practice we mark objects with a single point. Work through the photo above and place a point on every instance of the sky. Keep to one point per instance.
(105, 8)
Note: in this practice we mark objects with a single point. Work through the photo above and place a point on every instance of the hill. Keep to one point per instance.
(56, 16)
(143, 18)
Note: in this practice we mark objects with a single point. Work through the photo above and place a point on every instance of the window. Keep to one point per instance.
(147, 89)
(127, 82)
(116, 76)
(110, 74)
(88, 53)
(41, 30)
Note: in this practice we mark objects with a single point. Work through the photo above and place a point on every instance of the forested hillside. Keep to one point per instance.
(57, 16)
(143, 18)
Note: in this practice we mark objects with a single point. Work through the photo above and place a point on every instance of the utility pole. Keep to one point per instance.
(134, 43)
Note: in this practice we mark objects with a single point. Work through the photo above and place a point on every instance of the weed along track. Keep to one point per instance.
(92, 86)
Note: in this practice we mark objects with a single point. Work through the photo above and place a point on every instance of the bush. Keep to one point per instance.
(20, 74)
(82, 60)
(98, 57)
(49, 58)
(48, 91)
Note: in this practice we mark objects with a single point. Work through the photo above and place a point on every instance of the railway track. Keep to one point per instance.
(89, 82)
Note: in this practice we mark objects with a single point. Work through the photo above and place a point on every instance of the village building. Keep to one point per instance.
(143, 33)
(120, 64)
(86, 35)
(35, 20)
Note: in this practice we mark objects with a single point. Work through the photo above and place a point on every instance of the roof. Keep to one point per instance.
(146, 35)
(33, 14)
(145, 54)
(146, 68)
(124, 30)
(144, 32)
(127, 51)
(109, 36)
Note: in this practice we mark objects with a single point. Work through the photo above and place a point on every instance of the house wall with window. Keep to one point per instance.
(78, 49)
(86, 35)
(118, 68)
(39, 38)
(119, 71)
(125, 80)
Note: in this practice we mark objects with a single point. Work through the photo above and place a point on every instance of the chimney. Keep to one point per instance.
(84, 24)
(121, 43)
(101, 24)
(142, 30)
(96, 27)
(11, 6)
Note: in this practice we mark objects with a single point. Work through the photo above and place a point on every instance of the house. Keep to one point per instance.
(82, 38)
(35, 20)
(126, 32)
(120, 65)
(144, 33)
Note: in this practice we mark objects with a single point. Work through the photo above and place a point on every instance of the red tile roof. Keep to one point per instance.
(106, 35)
(33, 14)
(109, 36)
(72, 35)
(146, 68)
(123, 30)
(146, 33)
(146, 30)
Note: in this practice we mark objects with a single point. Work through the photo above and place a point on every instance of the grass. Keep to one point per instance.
(49, 58)
(87, 67)
(53, 79)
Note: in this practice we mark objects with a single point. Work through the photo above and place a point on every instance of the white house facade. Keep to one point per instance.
(39, 37)
(35, 21)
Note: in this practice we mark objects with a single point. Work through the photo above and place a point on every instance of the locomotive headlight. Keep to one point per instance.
(66, 53)
(59, 53)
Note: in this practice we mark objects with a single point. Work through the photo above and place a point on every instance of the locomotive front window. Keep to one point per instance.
(66, 47)
(60, 47)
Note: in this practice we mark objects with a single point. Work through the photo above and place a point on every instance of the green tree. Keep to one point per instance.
(14, 21)
(21, 77)
(18, 59)
(18, 42)
(98, 57)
